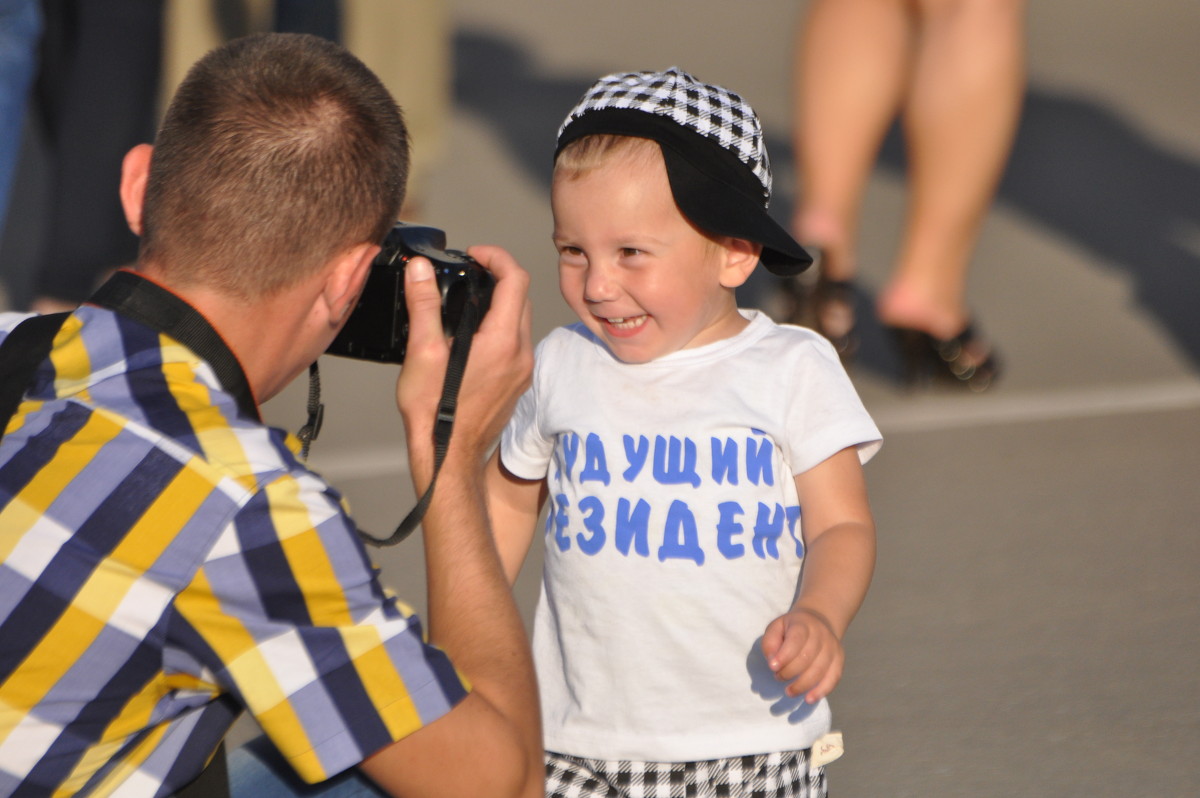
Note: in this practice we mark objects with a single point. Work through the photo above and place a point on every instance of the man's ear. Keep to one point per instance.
(135, 172)
(741, 256)
(345, 280)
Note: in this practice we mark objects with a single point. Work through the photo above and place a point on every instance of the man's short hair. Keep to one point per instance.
(277, 152)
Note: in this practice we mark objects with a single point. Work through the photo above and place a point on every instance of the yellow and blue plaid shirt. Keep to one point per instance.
(165, 562)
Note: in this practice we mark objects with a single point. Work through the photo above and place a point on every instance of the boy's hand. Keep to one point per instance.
(801, 648)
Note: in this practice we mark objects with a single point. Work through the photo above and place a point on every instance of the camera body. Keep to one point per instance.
(377, 329)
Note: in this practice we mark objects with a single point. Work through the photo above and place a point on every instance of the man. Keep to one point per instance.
(166, 560)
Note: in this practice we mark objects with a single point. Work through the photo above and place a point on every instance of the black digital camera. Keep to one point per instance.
(377, 329)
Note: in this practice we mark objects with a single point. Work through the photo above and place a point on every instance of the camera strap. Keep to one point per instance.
(134, 297)
(316, 412)
(21, 352)
(144, 301)
(460, 348)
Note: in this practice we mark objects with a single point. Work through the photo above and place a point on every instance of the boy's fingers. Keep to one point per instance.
(771, 641)
(796, 651)
(832, 675)
(805, 682)
(817, 678)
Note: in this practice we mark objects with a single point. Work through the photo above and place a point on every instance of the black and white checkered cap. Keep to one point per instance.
(713, 147)
(712, 111)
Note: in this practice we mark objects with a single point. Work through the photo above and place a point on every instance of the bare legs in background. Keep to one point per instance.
(953, 70)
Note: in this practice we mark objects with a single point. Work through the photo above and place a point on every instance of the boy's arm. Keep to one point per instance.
(804, 646)
(513, 508)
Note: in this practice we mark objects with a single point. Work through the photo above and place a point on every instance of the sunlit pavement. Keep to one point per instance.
(1033, 624)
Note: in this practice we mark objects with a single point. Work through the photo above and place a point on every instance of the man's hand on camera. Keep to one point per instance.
(498, 368)
(492, 739)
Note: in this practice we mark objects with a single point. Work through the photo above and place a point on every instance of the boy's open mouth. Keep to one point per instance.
(620, 324)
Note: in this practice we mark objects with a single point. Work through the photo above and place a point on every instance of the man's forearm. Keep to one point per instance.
(490, 744)
(471, 608)
(472, 614)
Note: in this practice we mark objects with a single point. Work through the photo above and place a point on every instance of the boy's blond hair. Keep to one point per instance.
(591, 152)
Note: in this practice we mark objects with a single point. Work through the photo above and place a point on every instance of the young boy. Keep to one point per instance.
(695, 456)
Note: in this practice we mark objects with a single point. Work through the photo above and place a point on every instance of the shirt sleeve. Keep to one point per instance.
(826, 414)
(291, 617)
(525, 449)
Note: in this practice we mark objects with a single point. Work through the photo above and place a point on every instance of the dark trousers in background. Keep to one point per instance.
(95, 98)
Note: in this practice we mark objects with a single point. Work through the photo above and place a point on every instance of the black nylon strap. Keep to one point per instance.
(136, 298)
(140, 299)
(460, 348)
(22, 351)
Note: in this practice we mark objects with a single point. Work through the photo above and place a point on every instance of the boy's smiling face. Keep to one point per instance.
(634, 269)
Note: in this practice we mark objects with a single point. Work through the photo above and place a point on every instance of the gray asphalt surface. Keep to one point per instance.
(1033, 624)
(1032, 628)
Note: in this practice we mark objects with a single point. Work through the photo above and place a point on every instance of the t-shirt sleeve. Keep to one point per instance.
(525, 449)
(826, 414)
(291, 617)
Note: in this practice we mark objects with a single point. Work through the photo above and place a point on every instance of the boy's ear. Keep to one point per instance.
(741, 256)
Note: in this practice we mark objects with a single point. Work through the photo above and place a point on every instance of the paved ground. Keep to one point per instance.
(1032, 628)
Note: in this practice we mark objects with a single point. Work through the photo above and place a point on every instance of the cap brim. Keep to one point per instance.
(716, 208)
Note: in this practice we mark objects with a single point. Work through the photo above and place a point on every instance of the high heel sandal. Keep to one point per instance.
(828, 306)
(835, 314)
(953, 360)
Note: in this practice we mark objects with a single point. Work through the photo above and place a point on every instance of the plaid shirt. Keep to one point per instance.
(165, 561)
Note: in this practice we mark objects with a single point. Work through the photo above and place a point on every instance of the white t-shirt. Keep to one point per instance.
(673, 536)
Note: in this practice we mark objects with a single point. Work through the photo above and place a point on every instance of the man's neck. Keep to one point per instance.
(272, 338)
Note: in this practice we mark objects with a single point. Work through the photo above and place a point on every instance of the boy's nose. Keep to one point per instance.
(599, 285)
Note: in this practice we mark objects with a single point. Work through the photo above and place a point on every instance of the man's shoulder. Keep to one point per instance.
(159, 390)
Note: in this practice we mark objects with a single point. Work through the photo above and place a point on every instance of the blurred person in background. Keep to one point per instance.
(953, 70)
(95, 97)
(20, 29)
(390, 37)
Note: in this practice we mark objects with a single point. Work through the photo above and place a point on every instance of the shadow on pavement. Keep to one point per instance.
(1077, 169)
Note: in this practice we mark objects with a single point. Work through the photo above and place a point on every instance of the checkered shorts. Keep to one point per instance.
(781, 775)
